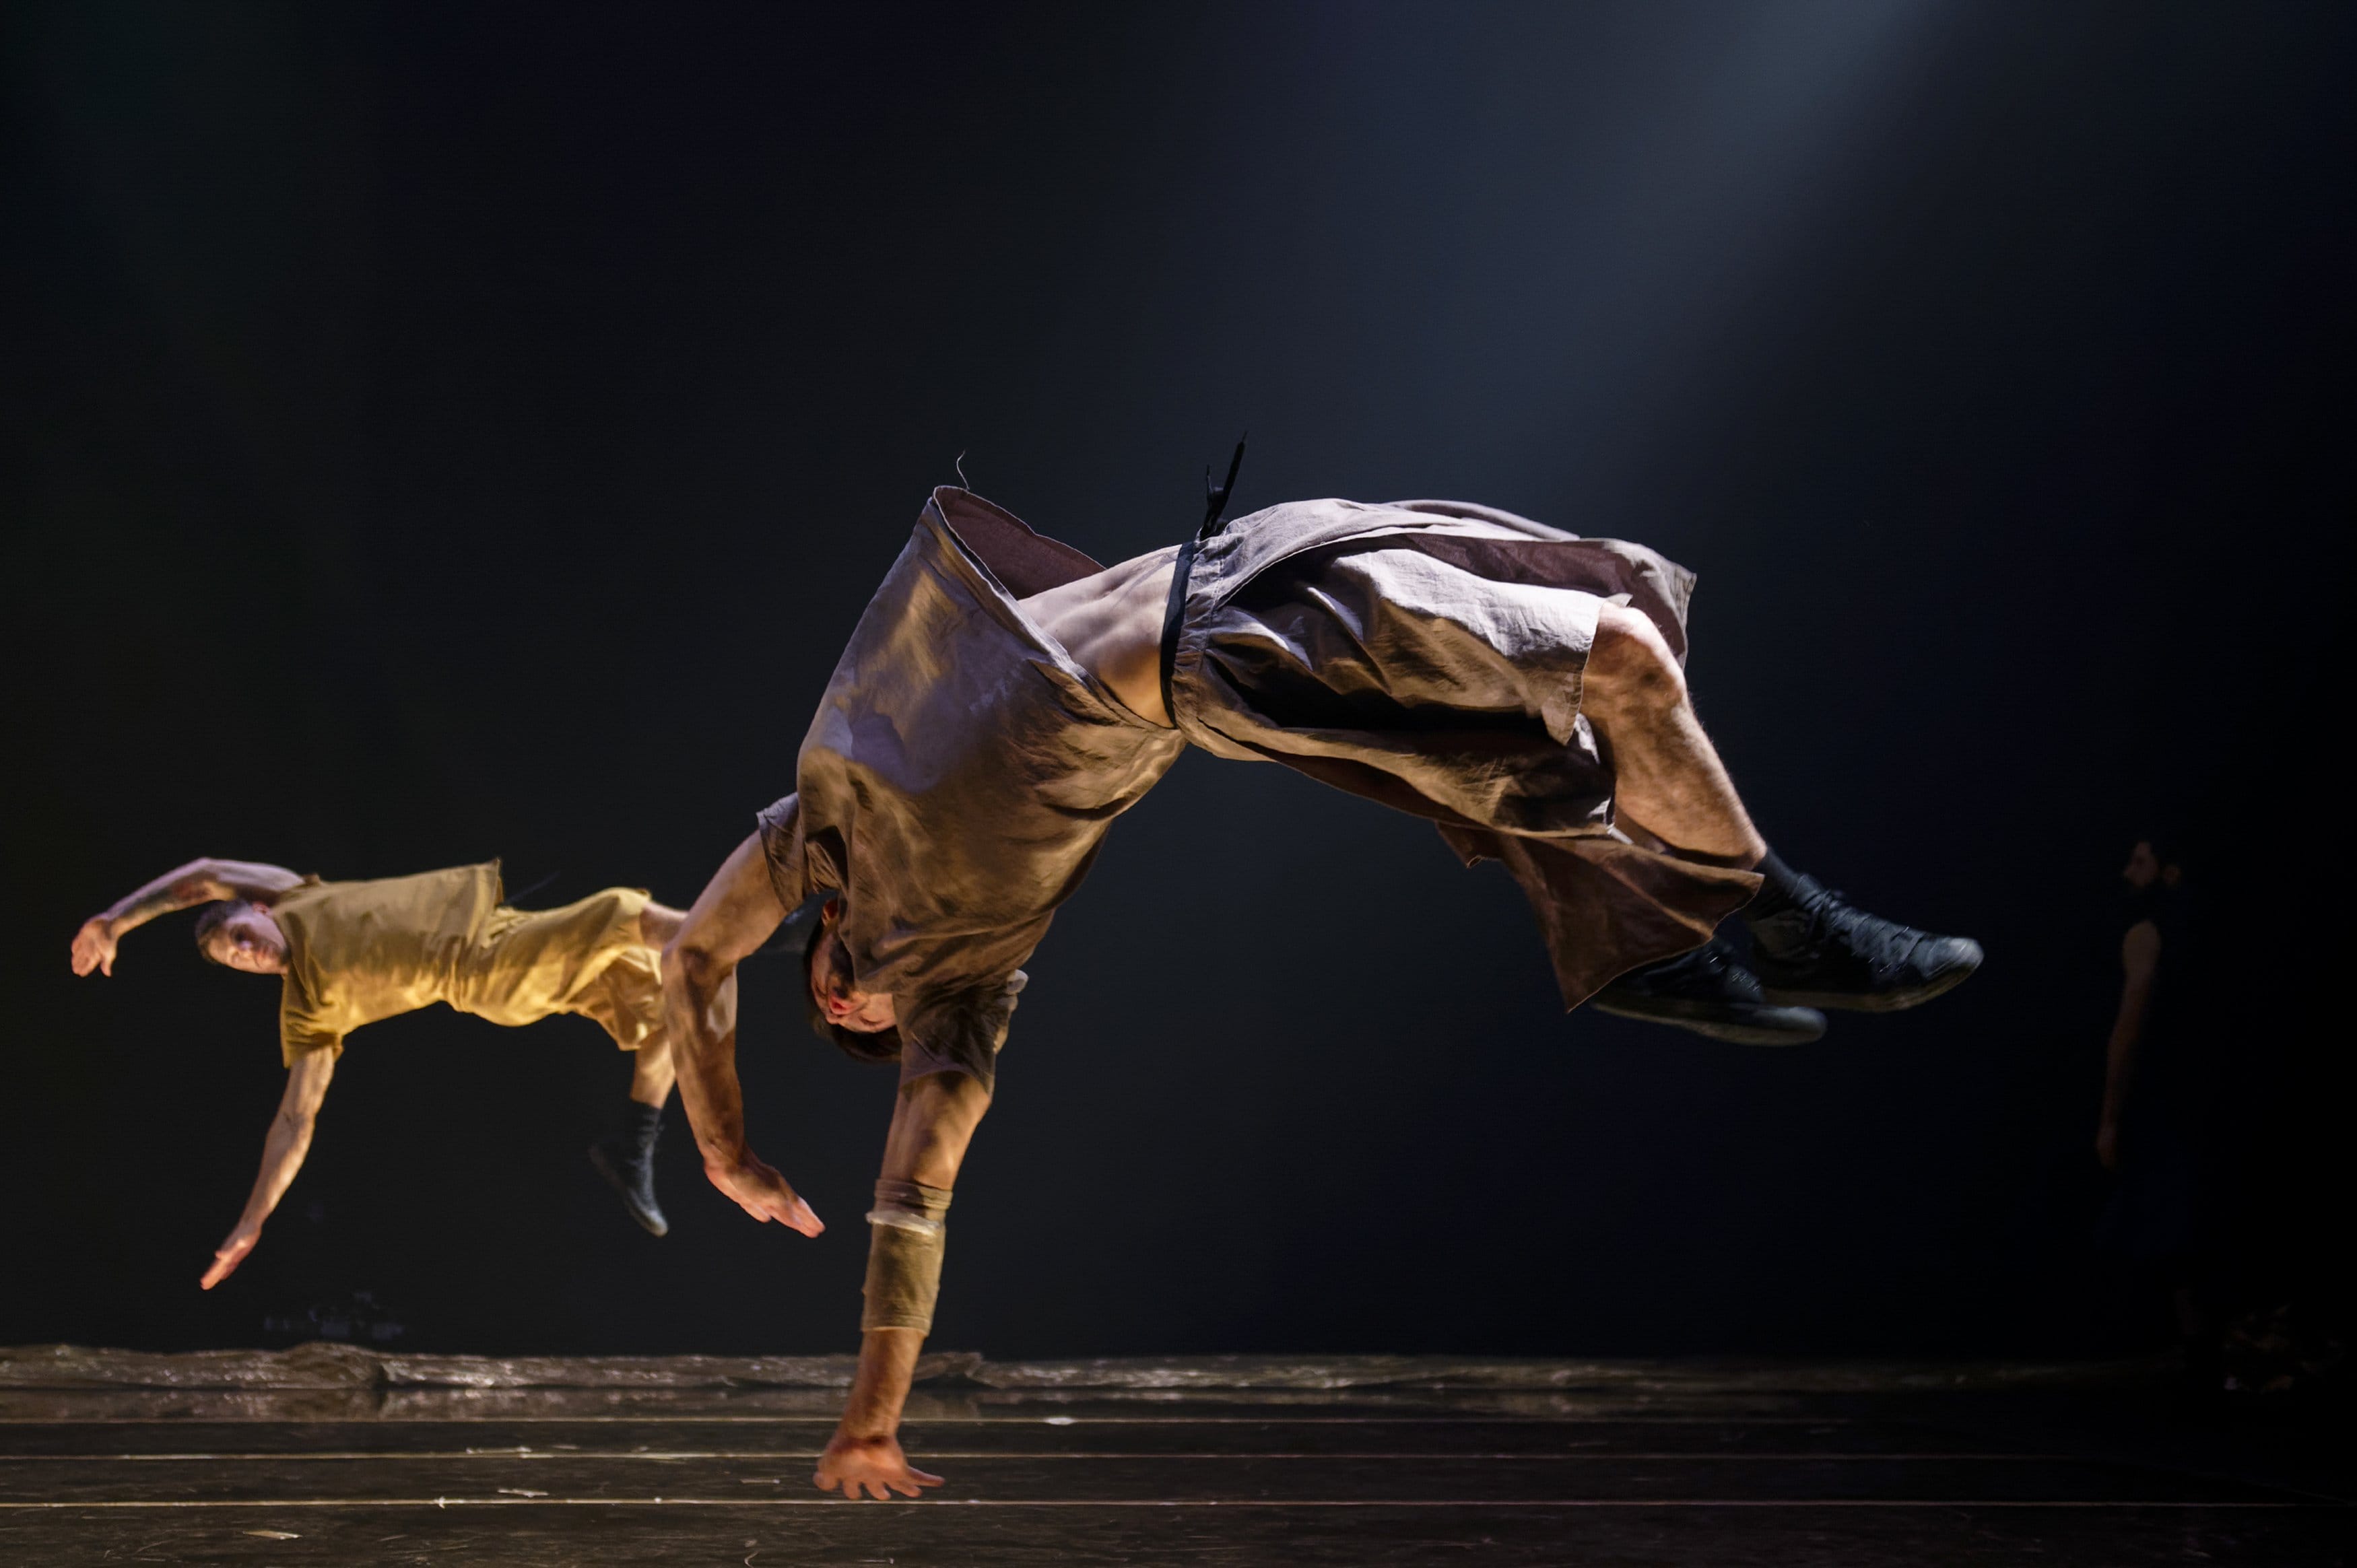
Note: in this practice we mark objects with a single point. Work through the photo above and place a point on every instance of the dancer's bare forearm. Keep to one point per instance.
(2140, 963)
(283, 1151)
(887, 1366)
(733, 918)
(700, 1014)
(864, 1457)
(201, 881)
(933, 1121)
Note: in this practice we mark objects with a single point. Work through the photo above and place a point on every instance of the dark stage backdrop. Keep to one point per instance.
(440, 432)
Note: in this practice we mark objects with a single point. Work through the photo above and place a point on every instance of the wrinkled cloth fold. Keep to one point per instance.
(957, 780)
(1430, 655)
(362, 951)
(963, 768)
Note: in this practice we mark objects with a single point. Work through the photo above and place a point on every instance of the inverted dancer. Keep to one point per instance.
(1004, 698)
(351, 953)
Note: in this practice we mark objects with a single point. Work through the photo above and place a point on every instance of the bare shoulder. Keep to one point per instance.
(2141, 948)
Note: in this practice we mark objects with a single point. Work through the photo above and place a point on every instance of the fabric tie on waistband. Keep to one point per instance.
(1172, 614)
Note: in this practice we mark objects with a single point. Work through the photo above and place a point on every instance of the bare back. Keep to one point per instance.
(1112, 624)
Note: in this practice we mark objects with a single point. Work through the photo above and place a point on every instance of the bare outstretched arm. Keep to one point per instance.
(733, 918)
(201, 881)
(282, 1156)
(932, 1123)
(2139, 961)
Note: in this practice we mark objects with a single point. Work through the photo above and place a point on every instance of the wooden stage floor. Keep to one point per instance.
(329, 1454)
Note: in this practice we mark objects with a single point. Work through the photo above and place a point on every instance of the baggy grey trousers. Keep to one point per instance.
(1429, 655)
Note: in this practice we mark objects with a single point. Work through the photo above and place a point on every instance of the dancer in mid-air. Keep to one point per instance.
(354, 952)
(1004, 698)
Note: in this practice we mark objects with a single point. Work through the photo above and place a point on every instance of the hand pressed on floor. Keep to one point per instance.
(869, 1466)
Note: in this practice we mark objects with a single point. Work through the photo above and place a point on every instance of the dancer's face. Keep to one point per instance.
(251, 940)
(832, 986)
(2144, 868)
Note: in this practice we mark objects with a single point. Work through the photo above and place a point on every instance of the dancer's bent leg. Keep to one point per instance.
(627, 1158)
(1668, 779)
(1811, 947)
(651, 1072)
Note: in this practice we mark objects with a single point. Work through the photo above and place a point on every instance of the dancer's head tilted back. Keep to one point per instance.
(865, 1024)
(238, 934)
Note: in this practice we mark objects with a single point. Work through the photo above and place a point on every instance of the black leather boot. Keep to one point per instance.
(1814, 948)
(1709, 991)
(628, 1163)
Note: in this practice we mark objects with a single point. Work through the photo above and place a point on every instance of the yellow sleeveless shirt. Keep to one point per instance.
(359, 952)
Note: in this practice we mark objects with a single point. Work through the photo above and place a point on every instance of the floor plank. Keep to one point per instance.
(1830, 1474)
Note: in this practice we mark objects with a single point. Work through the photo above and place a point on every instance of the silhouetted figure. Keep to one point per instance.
(2154, 1132)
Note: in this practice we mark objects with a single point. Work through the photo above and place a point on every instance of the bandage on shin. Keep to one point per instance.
(906, 1233)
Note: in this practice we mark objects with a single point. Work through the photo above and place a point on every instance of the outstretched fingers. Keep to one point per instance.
(93, 948)
(762, 1193)
(225, 1261)
(794, 1213)
(868, 1475)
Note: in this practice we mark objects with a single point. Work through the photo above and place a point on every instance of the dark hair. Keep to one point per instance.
(881, 1048)
(2167, 849)
(215, 916)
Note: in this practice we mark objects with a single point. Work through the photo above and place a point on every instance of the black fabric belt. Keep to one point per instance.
(1172, 614)
(1215, 506)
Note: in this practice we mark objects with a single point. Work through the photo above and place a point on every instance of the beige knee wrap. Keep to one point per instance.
(906, 1233)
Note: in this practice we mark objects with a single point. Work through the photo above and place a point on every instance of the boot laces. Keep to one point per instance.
(1834, 920)
(1713, 958)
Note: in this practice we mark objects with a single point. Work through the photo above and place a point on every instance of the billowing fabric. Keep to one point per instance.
(1429, 655)
(361, 951)
(963, 769)
(957, 780)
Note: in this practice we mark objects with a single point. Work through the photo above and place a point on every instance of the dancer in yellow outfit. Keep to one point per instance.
(351, 953)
